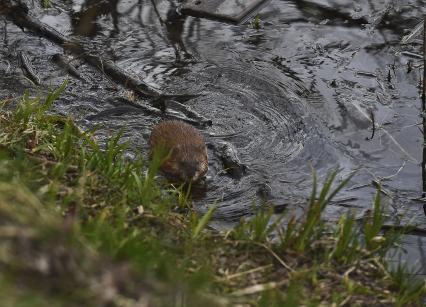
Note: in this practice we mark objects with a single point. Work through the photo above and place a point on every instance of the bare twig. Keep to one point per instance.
(407, 39)
(276, 257)
(254, 270)
(285, 265)
(408, 156)
(374, 125)
(259, 288)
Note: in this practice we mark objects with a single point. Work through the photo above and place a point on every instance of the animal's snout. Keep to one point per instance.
(189, 169)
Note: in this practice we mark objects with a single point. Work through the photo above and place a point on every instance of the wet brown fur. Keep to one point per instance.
(187, 159)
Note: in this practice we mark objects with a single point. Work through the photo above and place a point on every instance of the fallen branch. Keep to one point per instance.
(18, 13)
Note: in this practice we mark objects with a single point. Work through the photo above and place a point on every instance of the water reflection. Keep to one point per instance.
(330, 13)
(174, 28)
(84, 21)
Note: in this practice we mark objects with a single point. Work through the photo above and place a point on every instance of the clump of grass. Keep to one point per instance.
(348, 240)
(373, 225)
(84, 217)
(350, 250)
(256, 22)
(408, 288)
(45, 4)
(305, 232)
(259, 228)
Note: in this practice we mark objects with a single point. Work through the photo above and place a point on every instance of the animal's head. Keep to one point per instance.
(187, 162)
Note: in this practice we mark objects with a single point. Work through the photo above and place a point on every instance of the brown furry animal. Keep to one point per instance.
(187, 159)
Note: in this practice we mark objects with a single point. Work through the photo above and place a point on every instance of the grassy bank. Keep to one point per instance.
(83, 225)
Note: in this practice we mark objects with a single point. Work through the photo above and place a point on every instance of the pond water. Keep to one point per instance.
(300, 91)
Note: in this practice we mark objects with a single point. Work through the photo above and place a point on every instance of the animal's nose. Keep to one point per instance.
(189, 168)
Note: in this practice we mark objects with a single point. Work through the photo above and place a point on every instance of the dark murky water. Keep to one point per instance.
(302, 89)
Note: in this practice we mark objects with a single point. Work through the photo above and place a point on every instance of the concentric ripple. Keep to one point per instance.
(260, 117)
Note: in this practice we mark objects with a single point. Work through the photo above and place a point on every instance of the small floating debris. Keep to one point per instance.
(189, 112)
(233, 11)
(412, 55)
(131, 105)
(366, 74)
(413, 34)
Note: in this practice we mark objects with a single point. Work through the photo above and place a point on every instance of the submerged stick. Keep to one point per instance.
(60, 60)
(18, 12)
(374, 126)
(189, 112)
(27, 68)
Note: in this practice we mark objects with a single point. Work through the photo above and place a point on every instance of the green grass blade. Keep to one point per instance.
(202, 223)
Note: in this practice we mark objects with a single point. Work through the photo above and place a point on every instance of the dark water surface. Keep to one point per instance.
(300, 90)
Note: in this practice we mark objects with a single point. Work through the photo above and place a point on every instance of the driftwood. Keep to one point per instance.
(18, 13)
